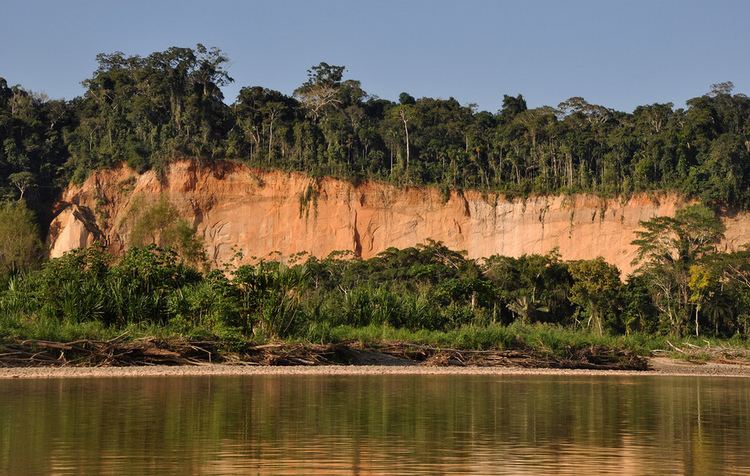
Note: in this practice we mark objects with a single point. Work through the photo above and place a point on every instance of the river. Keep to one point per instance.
(406, 424)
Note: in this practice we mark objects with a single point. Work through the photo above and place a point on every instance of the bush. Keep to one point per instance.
(20, 247)
(394, 294)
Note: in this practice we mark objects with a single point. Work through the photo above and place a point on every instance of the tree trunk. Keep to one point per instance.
(408, 151)
(406, 132)
(570, 169)
(270, 140)
(697, 309)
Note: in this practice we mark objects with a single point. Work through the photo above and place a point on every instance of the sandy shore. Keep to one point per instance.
(660, 366)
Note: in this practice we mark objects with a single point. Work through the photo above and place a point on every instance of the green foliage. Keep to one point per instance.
(309, 198)
(692, 233)
(148, 111)
(20, 247)
(33, 148)
(596, 290)
(141, 283)
(160, 224)
(681, 267)
(550, 338)
(207, 308)
(22, 181)
(427, 293)
(533, 288)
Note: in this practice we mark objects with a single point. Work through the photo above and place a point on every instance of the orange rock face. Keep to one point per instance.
(237, 208)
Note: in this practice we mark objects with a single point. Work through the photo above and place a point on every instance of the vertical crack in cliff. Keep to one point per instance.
(467, 208)
(357, 238)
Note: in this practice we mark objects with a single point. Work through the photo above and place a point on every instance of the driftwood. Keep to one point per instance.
(593, 357)
(123, 352)
(89, 353)
(708, 353)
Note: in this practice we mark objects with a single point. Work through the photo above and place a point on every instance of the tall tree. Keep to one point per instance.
(667, 248)
(596, 289)
(321, 90)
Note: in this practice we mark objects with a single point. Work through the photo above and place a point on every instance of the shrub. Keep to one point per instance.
(20, 247)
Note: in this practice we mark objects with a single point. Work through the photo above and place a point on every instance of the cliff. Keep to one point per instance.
(237, 208)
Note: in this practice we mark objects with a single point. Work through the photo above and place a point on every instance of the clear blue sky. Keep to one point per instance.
(616, 53)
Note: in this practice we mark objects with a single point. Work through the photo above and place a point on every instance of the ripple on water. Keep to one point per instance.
(407, 424)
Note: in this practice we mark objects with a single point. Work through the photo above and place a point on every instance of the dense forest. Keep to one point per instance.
(150, 110)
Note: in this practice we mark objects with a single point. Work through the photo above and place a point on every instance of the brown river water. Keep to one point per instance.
(376, 424)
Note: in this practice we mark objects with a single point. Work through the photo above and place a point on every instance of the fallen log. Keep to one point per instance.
(120, 352)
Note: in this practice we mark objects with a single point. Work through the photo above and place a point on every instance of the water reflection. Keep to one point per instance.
(376, 424)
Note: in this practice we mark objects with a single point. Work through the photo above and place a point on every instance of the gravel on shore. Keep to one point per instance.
(660, 367)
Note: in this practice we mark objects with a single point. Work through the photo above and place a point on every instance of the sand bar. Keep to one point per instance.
(661, 367)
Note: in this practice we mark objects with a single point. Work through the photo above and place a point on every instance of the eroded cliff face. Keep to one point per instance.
(236, 208)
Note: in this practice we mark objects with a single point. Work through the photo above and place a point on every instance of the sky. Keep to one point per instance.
(620, 54)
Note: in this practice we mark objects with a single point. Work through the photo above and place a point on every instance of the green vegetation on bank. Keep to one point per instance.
(426, 294)
(150, 110)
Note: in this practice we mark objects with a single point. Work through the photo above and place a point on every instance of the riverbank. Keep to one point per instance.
(154, 352)
(659, 366)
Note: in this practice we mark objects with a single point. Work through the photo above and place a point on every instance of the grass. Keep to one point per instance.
(67, 331)
(541, 337)
(550, 339)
